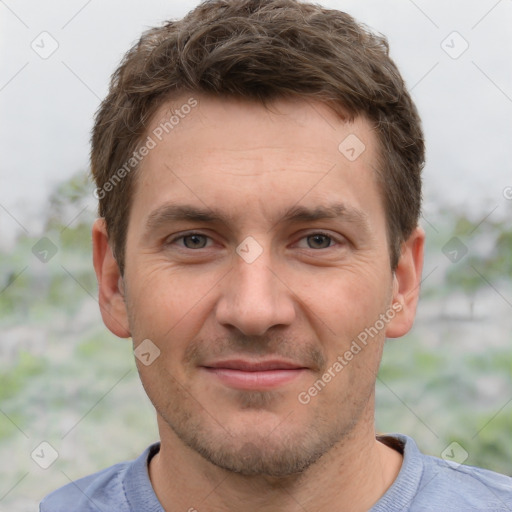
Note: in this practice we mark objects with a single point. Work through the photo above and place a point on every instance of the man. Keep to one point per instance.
(258, 173)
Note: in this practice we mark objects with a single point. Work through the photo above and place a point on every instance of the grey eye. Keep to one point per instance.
(319, 241)
(195, 241)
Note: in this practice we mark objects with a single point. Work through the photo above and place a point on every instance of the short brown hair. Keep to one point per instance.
(261, 50)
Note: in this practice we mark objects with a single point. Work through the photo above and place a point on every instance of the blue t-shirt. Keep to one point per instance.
(424, 484)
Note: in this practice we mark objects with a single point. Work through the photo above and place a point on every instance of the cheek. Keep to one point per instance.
(171, 307)
(166, 294)
(345, 312)
(347, 298)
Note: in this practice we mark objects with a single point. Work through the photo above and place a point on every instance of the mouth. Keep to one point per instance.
(254, 375)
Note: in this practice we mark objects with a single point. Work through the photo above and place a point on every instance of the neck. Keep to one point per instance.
(352, 476)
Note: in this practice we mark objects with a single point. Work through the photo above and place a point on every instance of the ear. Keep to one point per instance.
(406, 284)
(110, 282)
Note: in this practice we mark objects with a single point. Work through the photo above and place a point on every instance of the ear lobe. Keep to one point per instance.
(110, 282)
(406, 284)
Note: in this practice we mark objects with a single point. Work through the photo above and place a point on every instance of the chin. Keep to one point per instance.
(263, 456)
(258, 442)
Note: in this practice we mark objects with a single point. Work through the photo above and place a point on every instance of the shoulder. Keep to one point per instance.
(88, 493)
(104, 490)
(91, 493)
(427, 483)
(463, 486)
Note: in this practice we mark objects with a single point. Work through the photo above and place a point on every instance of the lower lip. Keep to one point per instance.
(255, 380)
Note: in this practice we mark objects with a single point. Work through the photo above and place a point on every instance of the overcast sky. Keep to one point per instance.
(456, 57)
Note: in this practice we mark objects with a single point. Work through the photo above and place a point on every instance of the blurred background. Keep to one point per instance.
(68, 383)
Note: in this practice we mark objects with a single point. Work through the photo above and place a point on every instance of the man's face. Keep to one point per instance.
(252, 301)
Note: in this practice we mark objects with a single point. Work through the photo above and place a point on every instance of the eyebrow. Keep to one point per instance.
(170, 213)
(332, 211)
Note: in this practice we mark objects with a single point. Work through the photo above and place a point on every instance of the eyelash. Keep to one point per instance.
(332, 238)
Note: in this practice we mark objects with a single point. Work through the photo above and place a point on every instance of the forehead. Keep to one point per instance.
(250, 160)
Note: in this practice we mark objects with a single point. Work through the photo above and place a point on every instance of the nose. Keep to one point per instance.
(254, 298)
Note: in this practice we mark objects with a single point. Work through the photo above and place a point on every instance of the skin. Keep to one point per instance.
(303, 299)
